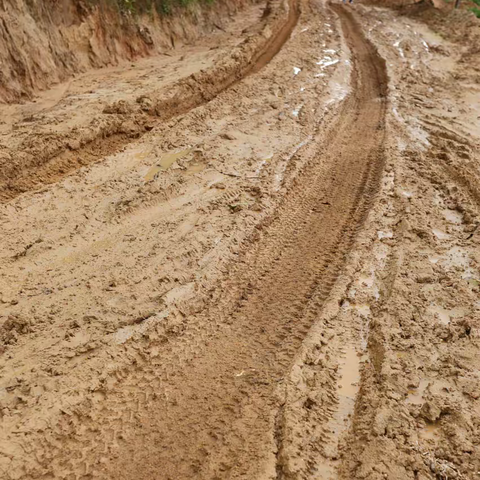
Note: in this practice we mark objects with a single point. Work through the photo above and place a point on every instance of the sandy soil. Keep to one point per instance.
(267, 269)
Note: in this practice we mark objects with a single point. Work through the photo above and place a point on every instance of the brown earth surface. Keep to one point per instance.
(255, 257)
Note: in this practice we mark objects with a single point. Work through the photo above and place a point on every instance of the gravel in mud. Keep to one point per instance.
(282, 282)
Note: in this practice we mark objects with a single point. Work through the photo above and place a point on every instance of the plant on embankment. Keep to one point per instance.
(163, 7)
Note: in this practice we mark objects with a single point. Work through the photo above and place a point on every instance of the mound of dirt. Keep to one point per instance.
(43, 43)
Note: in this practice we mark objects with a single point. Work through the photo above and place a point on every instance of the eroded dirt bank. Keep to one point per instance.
(30, 157)
(280, 283)
(44, 43)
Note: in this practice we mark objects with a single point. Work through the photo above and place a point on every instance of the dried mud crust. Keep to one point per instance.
(38, 161)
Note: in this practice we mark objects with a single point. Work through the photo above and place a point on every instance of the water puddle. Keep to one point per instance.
(415, 395)
(367, 281)
(457, 258)
(418, 133)
(143, 155)
(349, 373)
(350, 376)
(339, 92)
(397, 115)
(444, 315)
(165, 163)
(439, 234)
(326, 471)
(381, 235)
(326, 62)
(453, 216)
(430, 432)
(363, 310)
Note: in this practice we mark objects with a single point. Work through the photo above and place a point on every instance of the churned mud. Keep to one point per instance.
(255, 258)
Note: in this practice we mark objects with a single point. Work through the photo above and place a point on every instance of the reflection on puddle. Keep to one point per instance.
(326, 62)
(384, 235)
(439, 234)
(397, 46)
(349, 373)
(297, 111)
(165, 163)
(350, 376)
(445, 315)
(453, 216)
(339, 92)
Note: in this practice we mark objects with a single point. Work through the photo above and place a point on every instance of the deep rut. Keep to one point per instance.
(203, 405)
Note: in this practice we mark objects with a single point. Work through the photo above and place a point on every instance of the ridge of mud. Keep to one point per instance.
(46, 162)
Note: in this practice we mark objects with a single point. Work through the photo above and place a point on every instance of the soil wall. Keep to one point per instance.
(43, 42)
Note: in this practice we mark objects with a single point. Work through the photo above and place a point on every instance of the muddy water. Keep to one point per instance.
(165, 163)
(349, 374)
(339, 423)
(416, 396)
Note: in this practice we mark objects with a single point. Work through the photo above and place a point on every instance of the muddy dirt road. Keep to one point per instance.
(255, 258)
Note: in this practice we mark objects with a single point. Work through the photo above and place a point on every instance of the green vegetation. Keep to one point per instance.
(476, 11)
(477, 2)
(163, 7)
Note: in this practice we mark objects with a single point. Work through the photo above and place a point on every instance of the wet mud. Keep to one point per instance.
(273, 272)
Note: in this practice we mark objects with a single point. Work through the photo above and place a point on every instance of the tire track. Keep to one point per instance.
(204, 402)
